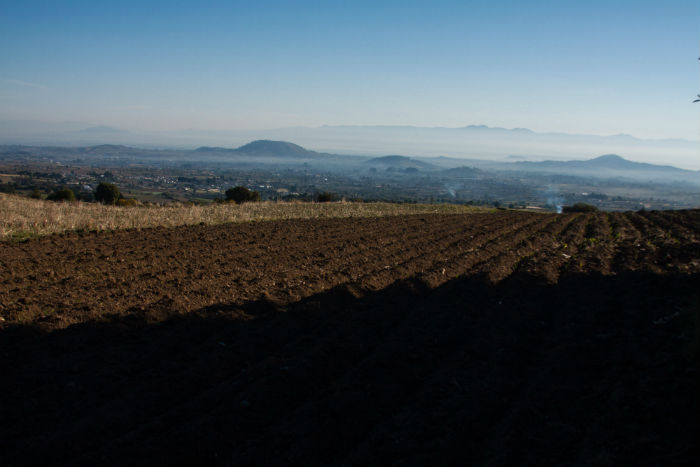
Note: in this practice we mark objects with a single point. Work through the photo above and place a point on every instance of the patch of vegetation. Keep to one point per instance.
(21, 216)
(591, 241)
(107, 193)
(8, 188)
(325, 197)
(241, 194)
(21, 236)
(63, 194)
(127, 202)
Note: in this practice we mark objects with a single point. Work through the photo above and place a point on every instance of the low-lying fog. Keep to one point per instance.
(473, 142)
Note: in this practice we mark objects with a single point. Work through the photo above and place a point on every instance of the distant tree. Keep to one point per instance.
(324, 197)
(254, 196)
(241, 194)
(36, 194)
(64, 194)
(8, 188)
(87, 196)
(107, 193)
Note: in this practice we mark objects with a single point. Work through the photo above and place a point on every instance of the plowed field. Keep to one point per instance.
(484, 339)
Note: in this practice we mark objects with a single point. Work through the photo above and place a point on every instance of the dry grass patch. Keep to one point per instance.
(22, 217)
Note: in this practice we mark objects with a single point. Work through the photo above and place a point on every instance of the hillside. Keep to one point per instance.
(609, 166)
(265, 148)
(276, 149)
(399, 162)
(608, 161)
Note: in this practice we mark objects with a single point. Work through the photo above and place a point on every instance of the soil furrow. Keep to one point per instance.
(437, 260)
(676, 231)
(550, 257)
(689, 219)
(596, 250)
(501, 256)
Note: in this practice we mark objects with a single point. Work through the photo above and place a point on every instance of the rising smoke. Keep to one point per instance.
(553, 199)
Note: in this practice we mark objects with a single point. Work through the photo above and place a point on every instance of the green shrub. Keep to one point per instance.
(107, 193)
(64, 194)
(241, 194)
(126, 202)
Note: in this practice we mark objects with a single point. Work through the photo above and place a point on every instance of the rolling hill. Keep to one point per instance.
(399, 162)
(609, 166)
(266, 148)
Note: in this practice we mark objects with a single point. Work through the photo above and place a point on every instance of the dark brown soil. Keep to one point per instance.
(488, 339)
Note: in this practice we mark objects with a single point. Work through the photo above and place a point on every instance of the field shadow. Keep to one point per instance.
(595, 370)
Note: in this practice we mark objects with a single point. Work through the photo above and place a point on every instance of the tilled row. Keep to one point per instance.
(65, 279)
(191, 267)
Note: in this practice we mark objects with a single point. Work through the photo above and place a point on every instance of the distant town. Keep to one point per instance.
(284, 171)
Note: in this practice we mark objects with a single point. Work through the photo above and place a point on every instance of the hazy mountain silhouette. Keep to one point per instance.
(467, 142)
(108, 148)
(266, 148)
(609, 166)
(402, 162)
(608, 161)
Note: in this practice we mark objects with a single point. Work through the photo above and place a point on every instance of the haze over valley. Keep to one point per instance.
(473, 141)
(281, 170)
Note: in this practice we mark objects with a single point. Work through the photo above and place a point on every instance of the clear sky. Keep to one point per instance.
(598, 67)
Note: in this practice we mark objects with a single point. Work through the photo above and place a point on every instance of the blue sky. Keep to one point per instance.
(598, 67)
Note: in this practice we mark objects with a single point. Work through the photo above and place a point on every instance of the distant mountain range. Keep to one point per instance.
(468, 142)
(606, 166)
(608, 161)
(266, 152)
(609, 166)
